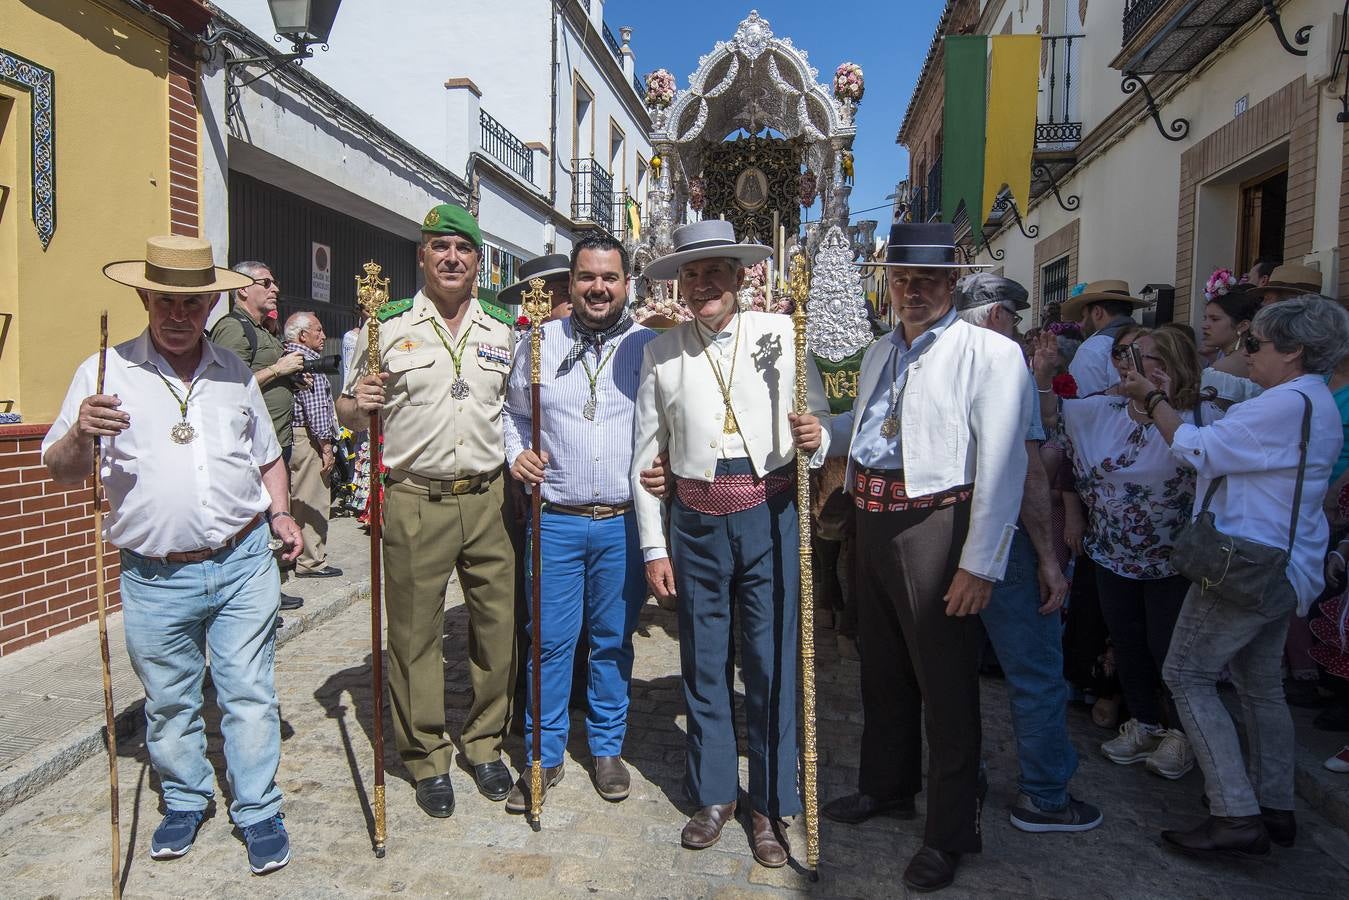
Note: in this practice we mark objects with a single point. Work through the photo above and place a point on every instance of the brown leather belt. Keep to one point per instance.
(598, 511)
(438, 487)
(191, 556)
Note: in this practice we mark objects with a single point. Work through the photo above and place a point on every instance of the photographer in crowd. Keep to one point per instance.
(314, 427)
(1138, 496)
(1255, 551)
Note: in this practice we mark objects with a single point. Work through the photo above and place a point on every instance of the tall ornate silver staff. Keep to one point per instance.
(100, 581)
(537, 303)
(372, 292)
(799, 286)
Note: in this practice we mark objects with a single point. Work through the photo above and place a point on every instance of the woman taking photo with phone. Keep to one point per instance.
(1137, 496)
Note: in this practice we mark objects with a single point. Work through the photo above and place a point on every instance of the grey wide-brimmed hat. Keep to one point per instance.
(983, 288)
(708, 239)
(545, 267)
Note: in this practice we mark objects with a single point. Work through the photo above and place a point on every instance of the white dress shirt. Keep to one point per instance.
(1256, 447)
(166, 497)
(680, 408)
(1091, 367)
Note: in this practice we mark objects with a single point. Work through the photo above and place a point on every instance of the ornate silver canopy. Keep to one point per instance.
(836, 317)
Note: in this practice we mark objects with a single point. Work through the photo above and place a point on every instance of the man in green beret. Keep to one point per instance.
(445, 359)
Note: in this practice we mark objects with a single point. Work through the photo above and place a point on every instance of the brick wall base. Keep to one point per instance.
(47, 582)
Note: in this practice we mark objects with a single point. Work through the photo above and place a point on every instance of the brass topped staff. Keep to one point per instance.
(109, 718)
(372, 292)
(537, 303)
(799, 286)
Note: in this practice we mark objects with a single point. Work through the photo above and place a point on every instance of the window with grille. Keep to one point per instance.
(1054, 282)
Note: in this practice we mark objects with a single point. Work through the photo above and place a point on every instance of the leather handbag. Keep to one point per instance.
(1237, 569)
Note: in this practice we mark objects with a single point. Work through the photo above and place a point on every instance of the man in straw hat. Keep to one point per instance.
(444, 359)
(194, 477)
(937, 461)
(1289, 281)
(716, 397)
(1103, 308)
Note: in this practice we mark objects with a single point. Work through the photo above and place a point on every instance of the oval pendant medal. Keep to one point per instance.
(459, 390)
(183, 433)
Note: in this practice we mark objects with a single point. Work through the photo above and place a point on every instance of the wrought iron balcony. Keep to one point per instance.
(1059, 118)
(592, 198)
(498, 141)
(932, 196)
(1137, 13)
(639, 88)
(612, 41)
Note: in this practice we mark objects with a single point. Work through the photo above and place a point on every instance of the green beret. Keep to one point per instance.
(450, 219)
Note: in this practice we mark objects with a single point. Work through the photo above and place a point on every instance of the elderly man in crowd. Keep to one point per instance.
(193, 475)
(1022, 616)
(716, 399)
(937, 460)
(314, 426)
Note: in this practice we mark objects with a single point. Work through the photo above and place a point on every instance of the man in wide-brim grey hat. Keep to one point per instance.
(555, 270)
(1103, 308)
(936, 463)
(716, 397)
(194, 476)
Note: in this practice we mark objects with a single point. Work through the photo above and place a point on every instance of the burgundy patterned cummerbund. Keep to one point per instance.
(733, 493)
(877, 490)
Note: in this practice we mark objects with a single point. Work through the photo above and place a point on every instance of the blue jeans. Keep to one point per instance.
(174, 613)
(593, 571)
(1030, 650)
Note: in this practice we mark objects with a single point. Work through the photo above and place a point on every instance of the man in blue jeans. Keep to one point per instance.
(1022, 617)
(193, 475)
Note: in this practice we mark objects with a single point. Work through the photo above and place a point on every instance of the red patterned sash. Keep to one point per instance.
(732, 493)
(877, 492)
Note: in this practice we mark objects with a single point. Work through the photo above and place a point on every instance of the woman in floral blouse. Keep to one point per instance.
(1138, 496)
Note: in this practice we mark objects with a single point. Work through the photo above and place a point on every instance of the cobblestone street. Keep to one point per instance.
(55, 844)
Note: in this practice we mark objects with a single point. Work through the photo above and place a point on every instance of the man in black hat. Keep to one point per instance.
(936, 466)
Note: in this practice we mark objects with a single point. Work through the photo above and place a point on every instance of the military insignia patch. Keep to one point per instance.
(393, 308)
(491, 353)
(432, 219)
(407, 345)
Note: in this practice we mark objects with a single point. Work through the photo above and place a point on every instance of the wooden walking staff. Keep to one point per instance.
(537, 303)
(372, 292)
(799, 285)
(100, 579)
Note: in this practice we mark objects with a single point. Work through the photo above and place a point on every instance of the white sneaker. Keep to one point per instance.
(1339, 762)
(1173, 756)
(1135, 743)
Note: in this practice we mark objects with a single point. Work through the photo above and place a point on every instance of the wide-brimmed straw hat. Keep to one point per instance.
(545, 267)
(1294, 280)
(1096, 292)
(708, 239)
(923, 245)
(175, 264)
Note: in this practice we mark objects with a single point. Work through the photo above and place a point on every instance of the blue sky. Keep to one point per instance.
(887, 38)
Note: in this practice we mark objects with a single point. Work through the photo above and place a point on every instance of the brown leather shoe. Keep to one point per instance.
(770, 849)
(518, 800)
(612, 780)
(704, 829)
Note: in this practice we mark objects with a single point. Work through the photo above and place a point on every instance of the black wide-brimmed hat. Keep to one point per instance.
(545, 267)
(708, 239)
(923, 245)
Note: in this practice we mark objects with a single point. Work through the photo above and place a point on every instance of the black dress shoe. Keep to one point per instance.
(854, 809)
(931, 870)
(325, 572)
(436, 796)
(288, 602)
(1242, 836)
(1280, 824)
(493, 779)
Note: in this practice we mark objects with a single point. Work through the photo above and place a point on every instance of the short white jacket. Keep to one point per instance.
(679, 407)
(966, 411)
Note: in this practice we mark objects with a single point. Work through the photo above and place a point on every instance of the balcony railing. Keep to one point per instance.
(1059, 118)
(612, 41)
(592, 198)
(506, 147)
(1136, 14)
(932, 195)
(639, 88)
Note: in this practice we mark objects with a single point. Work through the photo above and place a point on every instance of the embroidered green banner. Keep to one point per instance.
(840, 381)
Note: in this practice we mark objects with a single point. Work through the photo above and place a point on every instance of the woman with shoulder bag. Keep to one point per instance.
(1254, 552)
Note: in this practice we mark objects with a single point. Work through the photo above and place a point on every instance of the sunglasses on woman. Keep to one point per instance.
(1253, 343)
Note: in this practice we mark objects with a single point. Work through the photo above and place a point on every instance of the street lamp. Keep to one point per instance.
(304, 22)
